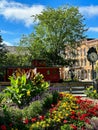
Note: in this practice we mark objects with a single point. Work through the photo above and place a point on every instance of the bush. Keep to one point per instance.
(34, 109)
(22, 90)
(91, 92)
(50, 99)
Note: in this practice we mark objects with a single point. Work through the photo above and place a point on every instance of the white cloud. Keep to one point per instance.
(15, 11)
(89, 10)
(6, 32)
(93, 29)
(7, 43)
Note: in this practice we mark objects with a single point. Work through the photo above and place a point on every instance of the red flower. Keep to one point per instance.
(41, 117)
(61, 95)
(73, 112)
(73, 117)
(33, 119)
(87, 121)
(3, 127)
(10, 124)
(73, 126)
(83, 116)
(25, 121)
(65, 121)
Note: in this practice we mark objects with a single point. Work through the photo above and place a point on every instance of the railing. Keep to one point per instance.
(75, 87)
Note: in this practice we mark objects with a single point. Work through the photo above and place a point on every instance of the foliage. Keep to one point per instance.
(22, 90)
(70, 112)
(91, 92)
(1, 97)
(56, 30)
(13, 117)
(33, 110)
(21, 53)
(50, 99)
(47, 101)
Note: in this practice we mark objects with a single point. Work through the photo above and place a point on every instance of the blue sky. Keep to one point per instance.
(16, 20)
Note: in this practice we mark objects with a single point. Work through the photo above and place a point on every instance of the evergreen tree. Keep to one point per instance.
(3, 53)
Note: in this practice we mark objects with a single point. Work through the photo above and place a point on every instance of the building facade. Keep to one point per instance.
(83, 68)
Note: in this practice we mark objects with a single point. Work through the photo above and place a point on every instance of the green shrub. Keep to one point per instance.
(50, 99)
(47, 101)
(66, 127)
(91, 92)
(55, 97)
(34, 109)
(23, 90)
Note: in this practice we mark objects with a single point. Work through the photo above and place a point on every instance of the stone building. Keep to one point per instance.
(83, 68)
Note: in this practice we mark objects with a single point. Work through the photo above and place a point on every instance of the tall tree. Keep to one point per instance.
(3, 57)
(3, 53)
(56, 29)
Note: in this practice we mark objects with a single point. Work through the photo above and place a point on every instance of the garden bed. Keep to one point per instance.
(95, 101)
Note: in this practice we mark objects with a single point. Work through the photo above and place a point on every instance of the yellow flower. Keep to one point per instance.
(47, 125)
(94, 91)
(66, 114)
(37, 123)
(58, 120)
(28, 93)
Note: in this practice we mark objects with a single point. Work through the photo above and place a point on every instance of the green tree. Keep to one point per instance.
(55, 30)
(19, 58)
(3, 57)
(3, 53)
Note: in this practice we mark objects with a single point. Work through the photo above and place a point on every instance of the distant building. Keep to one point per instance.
(83, 68)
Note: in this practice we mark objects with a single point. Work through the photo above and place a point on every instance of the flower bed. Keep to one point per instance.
(57, 111)
(30, 104)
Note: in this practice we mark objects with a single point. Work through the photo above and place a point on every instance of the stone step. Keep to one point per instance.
(77, 92)
(82, 95)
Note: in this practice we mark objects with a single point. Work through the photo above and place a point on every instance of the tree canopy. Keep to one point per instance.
(55, 29)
